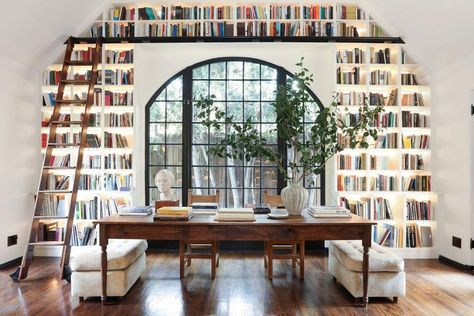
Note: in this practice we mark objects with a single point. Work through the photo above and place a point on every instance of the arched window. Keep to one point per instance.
(176, 140)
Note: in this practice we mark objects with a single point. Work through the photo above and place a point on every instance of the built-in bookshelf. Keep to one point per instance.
(390, 182)
(235, 19)
(107, 176)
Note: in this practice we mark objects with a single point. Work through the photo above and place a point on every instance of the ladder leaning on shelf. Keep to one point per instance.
(44, 189)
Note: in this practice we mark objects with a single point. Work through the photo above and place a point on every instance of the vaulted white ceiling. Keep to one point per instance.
(436, 32)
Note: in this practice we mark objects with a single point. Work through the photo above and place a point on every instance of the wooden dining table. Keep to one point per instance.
(203, 227)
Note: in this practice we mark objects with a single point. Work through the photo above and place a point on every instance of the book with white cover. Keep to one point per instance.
(136, 210)
(235, 217)
(328, 210)
(235, 210)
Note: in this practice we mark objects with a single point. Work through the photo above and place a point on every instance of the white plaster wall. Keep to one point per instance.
(156, 63)
(20, 157)
(452, 157)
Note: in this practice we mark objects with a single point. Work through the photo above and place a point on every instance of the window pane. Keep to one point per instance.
(200, 134)
(252, 90)
(268, 72)
(235, 70)
(251, 177)
(252, 111)
(217, 177)
(234, 179)
(157, 112)
(268, 112)
(174, 111)
(269, 90)
(201, 72)
(251, 71)
(218, 70)
(157, 154)
(173, 155)
(200, 90)
(157, 133)
(269, 133)
(200, 177)
(200, 155)
(268, 177)
(175, 89)
(174, 133)
(311, 111)
(216, 135)
(234, 109)
(234, 90)
(217, 88)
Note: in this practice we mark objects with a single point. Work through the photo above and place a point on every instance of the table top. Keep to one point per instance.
(304, 219)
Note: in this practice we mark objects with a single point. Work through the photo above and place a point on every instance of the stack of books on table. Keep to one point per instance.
(235, 215)
(262, 208)
(136, 210)
(328, 211)
(209, 208)
(174, 213)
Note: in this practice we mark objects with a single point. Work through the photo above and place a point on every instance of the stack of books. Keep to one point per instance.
(235, 215)
(328, 211)
(136, 210)
(209, 208)
(174, 213)
(262, 208)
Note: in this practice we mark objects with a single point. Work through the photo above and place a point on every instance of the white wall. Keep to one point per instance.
(20, 158)
(452, 157)
(156, 63)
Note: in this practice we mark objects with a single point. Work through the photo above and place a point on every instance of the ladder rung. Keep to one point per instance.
(49, 217)
(54, 191)
(66, 122)
(75, 82)
(64, 144)
(79, 63)
(58, 168)
(47, 243)
(71, 101)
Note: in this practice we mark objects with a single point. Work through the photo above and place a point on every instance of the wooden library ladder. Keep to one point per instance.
(55, 122)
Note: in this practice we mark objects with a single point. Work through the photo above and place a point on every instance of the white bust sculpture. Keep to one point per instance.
(164, 180)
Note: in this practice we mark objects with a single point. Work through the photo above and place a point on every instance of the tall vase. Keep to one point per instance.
(294, 197)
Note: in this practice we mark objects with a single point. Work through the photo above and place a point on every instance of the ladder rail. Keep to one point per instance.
(22, 270)
(85, 124)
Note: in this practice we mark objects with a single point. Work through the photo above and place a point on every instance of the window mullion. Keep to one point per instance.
(187, 134)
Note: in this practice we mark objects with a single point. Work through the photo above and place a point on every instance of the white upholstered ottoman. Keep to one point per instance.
(386, 269)
(125, 264)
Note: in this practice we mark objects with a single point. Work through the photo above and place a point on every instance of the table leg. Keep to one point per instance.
(181, 258)
(103, 270)
(365, 272)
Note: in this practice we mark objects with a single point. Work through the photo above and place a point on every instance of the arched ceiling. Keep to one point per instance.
(435, 31)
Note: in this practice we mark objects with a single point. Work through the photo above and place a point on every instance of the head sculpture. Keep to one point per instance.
(164, 180)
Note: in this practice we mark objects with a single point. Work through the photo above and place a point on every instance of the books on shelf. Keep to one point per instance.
(328, 211)
(418, 210)
(136, 210)
(174, 213)
(235, 215)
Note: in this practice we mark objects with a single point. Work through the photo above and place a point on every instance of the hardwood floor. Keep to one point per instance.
(240, 288)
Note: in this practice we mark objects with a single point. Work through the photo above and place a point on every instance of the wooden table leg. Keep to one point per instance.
(181, 258)
(103, 270)
(365, 272)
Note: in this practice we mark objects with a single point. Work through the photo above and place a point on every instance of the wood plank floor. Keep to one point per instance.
(240, 288)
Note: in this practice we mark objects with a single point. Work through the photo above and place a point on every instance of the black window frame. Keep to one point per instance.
(187, 120)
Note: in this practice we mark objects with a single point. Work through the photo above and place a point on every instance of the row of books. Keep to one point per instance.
(59, 161)
(418, 236)
(388, 119)
(113, 98)
(361, 98)
(89, 182)
(116, 161)
(119, 56)
(351, 162)
(381, 99)
(383, 183)
(241, 12)
(416, 183)
(389, 140)
(348, 77)
(354, 56)
(98, 208)
(416, 141)
(116, 77)
(118, 182)
(381, 56)
(57, 182)
(389, 235)
(118, 120)
(413, 99)
(414, 119)
(50, 231)
(418, 210)
(53, 205)
(412, 162)
(375, 208)
(87, 236)
(408, 79)
(91, 161)
(113, 140)
(380, 77)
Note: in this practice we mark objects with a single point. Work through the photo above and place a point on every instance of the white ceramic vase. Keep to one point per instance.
(294, 197)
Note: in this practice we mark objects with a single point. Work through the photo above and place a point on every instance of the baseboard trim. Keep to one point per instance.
(464, 267)
(10, 263)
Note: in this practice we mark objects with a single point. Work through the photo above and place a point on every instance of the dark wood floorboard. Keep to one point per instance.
(240, 288)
